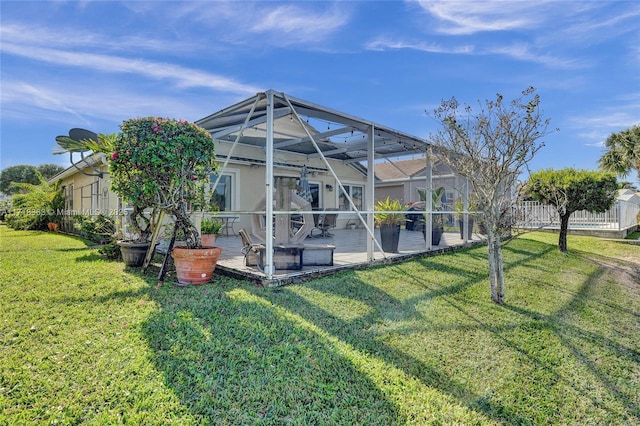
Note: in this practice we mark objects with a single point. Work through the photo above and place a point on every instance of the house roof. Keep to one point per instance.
(78, 166)
(408, 169)
(628, 195)
(400, 169)
(304, 127)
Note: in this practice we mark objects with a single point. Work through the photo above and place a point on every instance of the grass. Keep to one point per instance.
(88, 341)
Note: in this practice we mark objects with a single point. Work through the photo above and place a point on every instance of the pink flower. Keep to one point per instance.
(114, 155)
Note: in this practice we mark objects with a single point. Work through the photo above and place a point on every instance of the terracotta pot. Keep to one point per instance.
(133, 253)
(195, 266)
(208, 240)
(53, 226)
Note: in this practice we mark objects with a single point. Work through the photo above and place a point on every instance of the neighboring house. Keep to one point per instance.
(628, 196)
(628, 209)
(402, 179)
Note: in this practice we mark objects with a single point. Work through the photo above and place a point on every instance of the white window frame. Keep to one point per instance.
(349, 187)
(235, 184)
(320, 187)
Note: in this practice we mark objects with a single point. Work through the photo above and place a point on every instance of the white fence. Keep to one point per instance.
(621, 216)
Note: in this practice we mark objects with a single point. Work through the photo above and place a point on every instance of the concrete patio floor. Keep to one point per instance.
(350, 253)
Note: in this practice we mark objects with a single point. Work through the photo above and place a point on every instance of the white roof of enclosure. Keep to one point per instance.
(338, 135)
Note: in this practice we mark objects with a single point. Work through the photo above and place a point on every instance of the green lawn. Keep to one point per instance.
(84, 340)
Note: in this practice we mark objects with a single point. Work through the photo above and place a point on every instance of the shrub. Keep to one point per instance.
(164, 164)
(35, 206)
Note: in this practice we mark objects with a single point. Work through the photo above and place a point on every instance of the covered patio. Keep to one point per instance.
(263, 132)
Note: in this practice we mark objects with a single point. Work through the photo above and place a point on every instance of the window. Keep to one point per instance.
(222, 196)
(69, 197)
(357, 196)
(315, 195)
(89, 195)
(314, 188)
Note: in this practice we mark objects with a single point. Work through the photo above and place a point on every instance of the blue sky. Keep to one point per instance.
(93, 64)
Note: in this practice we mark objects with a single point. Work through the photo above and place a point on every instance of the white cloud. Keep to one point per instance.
(524, 52)
(180, 76)
(600, 26)
(519, 51)
(463, 18)
(383, 43)
(252, 25)
(623, 119)
(297, 24)
(28, 35)
(595, 129)
(76, 103)
(19, 97)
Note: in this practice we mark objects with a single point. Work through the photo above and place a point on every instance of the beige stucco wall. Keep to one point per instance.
(89, 195)
(393, 191)
(250, 178)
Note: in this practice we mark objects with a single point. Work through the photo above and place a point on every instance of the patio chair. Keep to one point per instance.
(250, 249)
(325, 222)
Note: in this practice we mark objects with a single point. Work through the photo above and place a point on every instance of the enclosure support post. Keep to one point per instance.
(465, 208)
(370, 196)
(428, 203)
(268, 190)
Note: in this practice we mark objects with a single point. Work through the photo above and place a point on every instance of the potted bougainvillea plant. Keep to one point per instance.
(165, 164)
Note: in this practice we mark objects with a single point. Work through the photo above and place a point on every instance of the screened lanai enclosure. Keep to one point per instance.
(296, 189)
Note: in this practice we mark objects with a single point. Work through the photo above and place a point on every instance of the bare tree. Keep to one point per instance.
(491, 147)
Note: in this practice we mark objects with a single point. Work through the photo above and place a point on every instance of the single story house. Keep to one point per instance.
(262, 145)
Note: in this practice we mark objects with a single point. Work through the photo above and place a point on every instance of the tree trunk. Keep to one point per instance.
(133, 219)
(496, 275)
(190, 232)
(564, 229)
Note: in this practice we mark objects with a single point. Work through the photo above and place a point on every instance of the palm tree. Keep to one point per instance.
(87, 141)
(99, 143)
(623, 152)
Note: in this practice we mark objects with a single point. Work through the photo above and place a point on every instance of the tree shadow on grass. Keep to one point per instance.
(232, 358)
(282, 353)
(234, 353)
(93, 257)
(362, 335)
(591, 295)
(518, 335)
(73, 249)
(123, 295)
